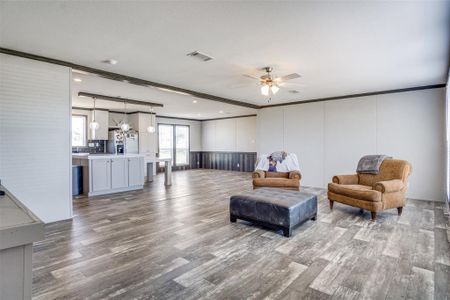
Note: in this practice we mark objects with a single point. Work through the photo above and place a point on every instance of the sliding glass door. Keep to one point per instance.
(174, 143)
(182, 145)
(165, 134)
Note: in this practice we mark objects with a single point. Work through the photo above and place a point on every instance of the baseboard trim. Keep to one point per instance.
(114, 191)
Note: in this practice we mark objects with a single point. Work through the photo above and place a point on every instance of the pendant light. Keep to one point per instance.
(151, 128)
(125, 126)
(94, 125)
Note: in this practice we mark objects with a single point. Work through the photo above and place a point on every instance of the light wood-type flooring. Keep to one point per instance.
(178, 243)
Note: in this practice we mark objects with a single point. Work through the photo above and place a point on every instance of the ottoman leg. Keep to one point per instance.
(287, 232)
(314, 217)
(331, 204)
(233, 218)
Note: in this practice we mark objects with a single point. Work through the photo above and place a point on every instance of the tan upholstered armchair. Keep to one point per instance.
(374, 193)
(286, 180)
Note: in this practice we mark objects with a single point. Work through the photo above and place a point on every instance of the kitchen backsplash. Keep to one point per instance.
(94, 146)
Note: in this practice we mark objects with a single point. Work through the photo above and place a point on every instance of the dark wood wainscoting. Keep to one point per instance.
(229, 161)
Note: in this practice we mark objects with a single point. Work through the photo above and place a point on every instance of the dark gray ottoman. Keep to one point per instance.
(274, 208)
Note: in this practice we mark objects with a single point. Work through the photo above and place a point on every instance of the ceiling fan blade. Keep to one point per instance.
(292, 84)
(251, 76)
(287, 77)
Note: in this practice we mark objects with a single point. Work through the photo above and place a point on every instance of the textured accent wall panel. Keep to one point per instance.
(35, 161)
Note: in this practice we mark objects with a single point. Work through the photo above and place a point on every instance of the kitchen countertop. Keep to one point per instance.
(104, 155)
(156, 159)
(18, 225)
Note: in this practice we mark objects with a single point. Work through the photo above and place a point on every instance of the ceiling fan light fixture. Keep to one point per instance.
(274, 89)
(265, 90)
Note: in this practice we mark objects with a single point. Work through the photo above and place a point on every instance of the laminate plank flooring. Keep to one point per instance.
(178, 243)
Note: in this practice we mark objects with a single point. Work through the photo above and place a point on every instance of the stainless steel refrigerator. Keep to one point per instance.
(120, 142)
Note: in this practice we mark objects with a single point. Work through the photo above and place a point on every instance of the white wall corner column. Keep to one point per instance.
(35, 135)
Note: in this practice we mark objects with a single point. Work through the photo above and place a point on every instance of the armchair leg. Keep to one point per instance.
(331, 204)
(374, 215)
(399, 210)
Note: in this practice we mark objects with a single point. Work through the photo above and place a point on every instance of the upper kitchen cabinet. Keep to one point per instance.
(147, 144)
(102, 117)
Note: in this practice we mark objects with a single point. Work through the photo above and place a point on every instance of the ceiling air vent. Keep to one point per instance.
(200, 56)
(294, 92)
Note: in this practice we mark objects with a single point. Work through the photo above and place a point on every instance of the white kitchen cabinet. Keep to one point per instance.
(135, 171)
(100, 175)
(147, 141)
(110, 173)
(119, 173)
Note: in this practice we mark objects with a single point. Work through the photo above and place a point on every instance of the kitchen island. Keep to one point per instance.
(110, 173)
(149, 161)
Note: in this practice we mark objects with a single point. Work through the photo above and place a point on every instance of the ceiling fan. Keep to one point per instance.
(269, 83)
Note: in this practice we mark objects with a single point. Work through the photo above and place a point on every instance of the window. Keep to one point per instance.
(174, 143)
(79, 131)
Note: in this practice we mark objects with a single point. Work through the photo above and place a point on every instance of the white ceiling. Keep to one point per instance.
(175, 105)
(338, 47)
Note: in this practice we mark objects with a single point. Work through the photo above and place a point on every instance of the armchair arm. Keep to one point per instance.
(258, 174)
(389, 186)
(295, 175)
(346, 179)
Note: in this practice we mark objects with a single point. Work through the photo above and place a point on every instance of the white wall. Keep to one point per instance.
(329, 137)
(35, 153)
(195, 130)
(230, 135)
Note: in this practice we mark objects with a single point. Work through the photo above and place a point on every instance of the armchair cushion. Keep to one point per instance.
(283, 175)
(276, 182)
(356, 191)
(346, 179)
(389, 186)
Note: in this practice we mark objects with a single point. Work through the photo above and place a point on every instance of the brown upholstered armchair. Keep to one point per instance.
(374, 193)
(286, 180)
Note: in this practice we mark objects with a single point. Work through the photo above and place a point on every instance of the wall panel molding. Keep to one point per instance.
(329, 137)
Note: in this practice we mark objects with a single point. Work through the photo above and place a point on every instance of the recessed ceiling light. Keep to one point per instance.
(199, 114)
(194, 101)
(80, 72)
(110, 61)
(220, 111)
(77, 80)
